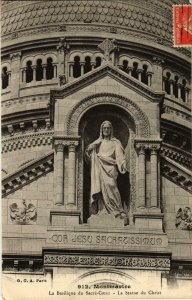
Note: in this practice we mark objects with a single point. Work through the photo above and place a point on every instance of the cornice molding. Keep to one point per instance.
(105, 70)
(27, 174)
(180, 156)
(176, 173)
(27, 141)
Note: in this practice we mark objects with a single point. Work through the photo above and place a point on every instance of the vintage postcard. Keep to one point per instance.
(96, 149)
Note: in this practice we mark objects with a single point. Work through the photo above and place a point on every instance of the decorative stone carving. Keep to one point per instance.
(107, 46)
(140, 119)
(27, 141)
(23, 213)
(181, 114)
(63, 46)
(158, 61)
(147, 144)
(177, 154)
(177, 174)
(15, 56)
(101, 261)
(66, 140)
(184, 219)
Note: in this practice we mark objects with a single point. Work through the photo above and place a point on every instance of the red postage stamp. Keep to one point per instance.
(182, 25)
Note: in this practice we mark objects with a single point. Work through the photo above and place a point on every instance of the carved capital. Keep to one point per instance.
(59, 147)
(147, 144)
(67, 141)
(15, 56)
(72, 147)
(140, 148)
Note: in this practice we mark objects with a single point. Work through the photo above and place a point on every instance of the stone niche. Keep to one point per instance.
(77, 111)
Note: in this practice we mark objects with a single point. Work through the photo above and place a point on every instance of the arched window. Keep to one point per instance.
(29, 72)
(125, 66)
(87, 66)
(183, 90)
(175, 87)
(98, 62)
(5, 78)
(167, 83)
(76, 67)
(39, 70)
(134, 72)
(49, 69)
(144, 77)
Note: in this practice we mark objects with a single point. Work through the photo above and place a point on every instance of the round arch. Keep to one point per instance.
(140, 119)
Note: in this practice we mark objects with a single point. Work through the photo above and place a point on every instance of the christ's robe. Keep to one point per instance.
(106, 160)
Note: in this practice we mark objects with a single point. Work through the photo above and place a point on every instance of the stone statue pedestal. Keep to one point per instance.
(106, 220)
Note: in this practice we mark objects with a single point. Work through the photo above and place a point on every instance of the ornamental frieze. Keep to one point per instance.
(103, 261)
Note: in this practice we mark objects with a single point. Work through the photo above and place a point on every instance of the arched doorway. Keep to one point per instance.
(124, 130)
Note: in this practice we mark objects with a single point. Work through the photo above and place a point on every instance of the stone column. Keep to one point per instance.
(72, 174)
(129, 70)
(44, 71)
(164, 78)
(82, 68)
(70, 70)
(186, 94)
(54, 71)
(139, 74)
(15, 74)
(154, 178)
(34, 73)
(149, 76)
(179, 91)
(24, 75)
(141, 175)
(59, 173)
(92, 65)
(171, 87)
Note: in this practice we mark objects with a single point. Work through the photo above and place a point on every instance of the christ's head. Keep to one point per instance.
(106, 130)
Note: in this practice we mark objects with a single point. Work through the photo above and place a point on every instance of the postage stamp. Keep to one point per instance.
(182, 25)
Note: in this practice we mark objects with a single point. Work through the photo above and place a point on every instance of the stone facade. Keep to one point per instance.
(66, 67)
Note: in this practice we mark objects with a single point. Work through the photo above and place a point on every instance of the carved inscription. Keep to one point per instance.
(85, 260)
(106, 239)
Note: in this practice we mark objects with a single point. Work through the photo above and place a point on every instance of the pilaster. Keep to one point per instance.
(68, 208)
(157, 82)
(62, 52)
(15, 74)
(148, 214)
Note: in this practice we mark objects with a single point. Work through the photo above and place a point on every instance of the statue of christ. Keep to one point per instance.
(107, 159)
